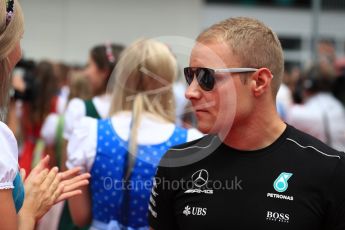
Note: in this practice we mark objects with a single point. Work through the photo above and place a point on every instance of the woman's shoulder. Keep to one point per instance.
(75, 102)
(8, 140)
(193, 134)
(81, 148)
(86, 125)
(9, 157)
(74, 112)
(75, 108)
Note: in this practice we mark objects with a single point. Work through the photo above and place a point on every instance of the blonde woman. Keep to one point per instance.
(42, 188)
(122, 152)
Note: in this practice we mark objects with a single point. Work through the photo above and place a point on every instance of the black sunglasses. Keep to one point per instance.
(206, 76)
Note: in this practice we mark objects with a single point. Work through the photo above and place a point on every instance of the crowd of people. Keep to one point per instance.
(97, 141)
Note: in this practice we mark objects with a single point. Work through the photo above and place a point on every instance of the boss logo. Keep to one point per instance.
(276, 216)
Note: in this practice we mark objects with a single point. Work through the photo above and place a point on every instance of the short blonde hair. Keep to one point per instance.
(10, 34)
(252, 42)
(79, 86)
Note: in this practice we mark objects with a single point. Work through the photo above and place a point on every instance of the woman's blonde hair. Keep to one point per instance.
(79, 86)
(10, 34)
(143, 83)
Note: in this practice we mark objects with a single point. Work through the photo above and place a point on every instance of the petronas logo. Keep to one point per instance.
(281, 183)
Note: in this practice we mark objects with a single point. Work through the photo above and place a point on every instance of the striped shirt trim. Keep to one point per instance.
(312, 147)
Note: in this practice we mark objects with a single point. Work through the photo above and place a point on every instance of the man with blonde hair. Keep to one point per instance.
(252, 171)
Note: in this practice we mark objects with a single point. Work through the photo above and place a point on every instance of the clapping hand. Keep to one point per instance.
(44, 188)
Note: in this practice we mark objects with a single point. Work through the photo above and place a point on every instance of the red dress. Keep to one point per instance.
(31, 133)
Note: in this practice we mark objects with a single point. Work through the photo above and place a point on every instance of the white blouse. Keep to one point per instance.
(318, 114)
(76, 110)
(81, 149)
(8, 157)
(62, 100)
(49, 128)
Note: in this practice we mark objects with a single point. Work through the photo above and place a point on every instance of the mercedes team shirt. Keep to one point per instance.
(296, 183)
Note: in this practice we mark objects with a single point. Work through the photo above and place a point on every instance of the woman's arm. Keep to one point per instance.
(80, 208)
(8, 220)
(81, 152)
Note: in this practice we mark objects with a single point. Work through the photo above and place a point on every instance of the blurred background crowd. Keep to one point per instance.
(70, 48)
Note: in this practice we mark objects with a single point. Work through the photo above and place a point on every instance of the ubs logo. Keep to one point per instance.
(194, 211)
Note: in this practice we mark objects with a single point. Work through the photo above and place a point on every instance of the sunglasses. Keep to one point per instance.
(206, 76)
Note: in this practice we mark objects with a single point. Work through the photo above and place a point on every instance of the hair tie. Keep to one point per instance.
(9, 11)
(109, 52)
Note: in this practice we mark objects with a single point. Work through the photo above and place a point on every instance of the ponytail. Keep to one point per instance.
(5, 84)
(138, 108)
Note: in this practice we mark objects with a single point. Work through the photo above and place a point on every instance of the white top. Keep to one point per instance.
(81, 149)
(9, 157)
(311, 116)
(76, 110)
(284, 100)
(62, 100)
(181, 101)
(49, 128)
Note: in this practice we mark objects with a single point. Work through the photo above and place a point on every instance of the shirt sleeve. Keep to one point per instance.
(193, 134)
(74, 112)
(161, 210)
(48, 130)
(81, 148)
(337, 197)
(9, 157)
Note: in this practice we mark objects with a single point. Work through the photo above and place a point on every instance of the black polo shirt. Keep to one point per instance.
(296, 183)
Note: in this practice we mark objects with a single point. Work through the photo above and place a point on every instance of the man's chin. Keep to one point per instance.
(203, 128)
(207, 128)
(212, 128)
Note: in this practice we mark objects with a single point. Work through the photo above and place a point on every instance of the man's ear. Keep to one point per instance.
(261, 80)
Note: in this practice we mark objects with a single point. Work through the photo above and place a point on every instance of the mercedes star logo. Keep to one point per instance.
(200, 178)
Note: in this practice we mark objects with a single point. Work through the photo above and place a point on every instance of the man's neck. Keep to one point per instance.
(255, 133)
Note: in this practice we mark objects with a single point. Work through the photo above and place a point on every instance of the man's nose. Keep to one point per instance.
(193, 91)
